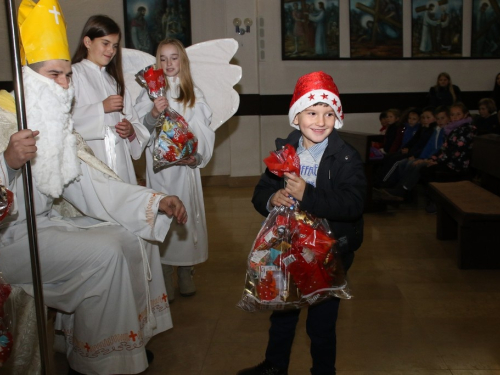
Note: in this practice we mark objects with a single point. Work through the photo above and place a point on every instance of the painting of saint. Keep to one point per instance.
(310, 29)
(437, 28)
(485, 39)
(148, 22)
(376, 29)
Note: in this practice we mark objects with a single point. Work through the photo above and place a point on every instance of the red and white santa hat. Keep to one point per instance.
(313, 88)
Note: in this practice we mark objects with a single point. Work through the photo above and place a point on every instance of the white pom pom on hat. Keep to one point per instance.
(313, 88)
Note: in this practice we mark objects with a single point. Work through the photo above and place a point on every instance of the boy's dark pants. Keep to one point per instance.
(320, 325)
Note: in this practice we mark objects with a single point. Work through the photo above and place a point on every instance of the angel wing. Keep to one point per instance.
(215, 76)
(212, 74)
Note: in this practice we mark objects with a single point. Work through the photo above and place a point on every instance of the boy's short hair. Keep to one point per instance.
(489, 104)
(382, 115)
(442, 108)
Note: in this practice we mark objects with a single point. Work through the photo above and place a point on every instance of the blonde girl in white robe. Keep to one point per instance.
(186, 245)
(103, 112)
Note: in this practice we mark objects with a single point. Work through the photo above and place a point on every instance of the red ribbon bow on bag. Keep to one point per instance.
(284, 160)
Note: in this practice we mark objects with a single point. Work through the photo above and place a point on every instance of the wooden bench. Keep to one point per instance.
(472, 214)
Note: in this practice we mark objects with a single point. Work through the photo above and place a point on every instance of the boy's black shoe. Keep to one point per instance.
(264, 368)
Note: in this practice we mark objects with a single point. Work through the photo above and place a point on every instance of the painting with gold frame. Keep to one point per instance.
(148, 22)
(437, 28)
(310, 29)
(485, 38)
(376, 29)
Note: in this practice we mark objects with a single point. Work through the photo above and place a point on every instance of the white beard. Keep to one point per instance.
(48, 109)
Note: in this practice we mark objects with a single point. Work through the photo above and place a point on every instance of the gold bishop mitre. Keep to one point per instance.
(42, 31)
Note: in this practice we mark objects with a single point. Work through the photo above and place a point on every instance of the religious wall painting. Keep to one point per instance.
(148, 22)
(376, 29)
(437, 28)
(310, 29)
(485, 38)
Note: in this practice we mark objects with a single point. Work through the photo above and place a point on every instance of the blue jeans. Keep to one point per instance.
(320, 325)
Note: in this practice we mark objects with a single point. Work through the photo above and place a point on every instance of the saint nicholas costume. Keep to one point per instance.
(106, 285)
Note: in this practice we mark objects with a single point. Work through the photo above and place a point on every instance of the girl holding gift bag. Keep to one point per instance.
(186, 245)
(103, 111)
(331, 186)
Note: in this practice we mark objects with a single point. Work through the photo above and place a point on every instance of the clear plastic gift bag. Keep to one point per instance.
(6, 322)
(293, 263)
(173, 141)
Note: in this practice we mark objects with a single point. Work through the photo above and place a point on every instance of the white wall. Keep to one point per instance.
(243, 142)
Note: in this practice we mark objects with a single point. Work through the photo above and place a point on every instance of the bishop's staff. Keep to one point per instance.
(28, 190)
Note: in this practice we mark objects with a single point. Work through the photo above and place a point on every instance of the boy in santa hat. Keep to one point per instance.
(331, 185)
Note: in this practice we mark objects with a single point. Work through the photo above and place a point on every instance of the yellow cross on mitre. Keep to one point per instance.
(42, 31)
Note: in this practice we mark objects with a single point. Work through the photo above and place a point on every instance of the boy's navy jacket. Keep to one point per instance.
(339, 195)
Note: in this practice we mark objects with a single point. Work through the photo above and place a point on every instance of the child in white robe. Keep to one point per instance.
(187, 245)
(103, 112)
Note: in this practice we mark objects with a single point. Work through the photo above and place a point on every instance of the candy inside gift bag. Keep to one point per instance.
(173, 140)
(293, 263)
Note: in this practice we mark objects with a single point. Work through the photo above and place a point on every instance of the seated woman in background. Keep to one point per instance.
(444, 92)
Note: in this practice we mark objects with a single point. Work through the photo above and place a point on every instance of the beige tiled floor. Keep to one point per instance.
(413, 311)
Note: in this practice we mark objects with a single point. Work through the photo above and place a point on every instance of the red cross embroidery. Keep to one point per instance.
(324, 96)
(342, 116)
(311, 97)
(164, 297)
(87, 346)
(334, 101)
(340, 109)
(132, 335)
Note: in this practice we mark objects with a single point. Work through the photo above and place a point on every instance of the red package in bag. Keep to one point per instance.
(315, 240)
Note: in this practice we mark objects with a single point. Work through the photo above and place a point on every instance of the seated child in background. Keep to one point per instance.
(339, 199)
(383, 122)
(420, 139)
(413, 125)
(406, 126)
(393, 116)
(450, 163)
(420, 134)
(487, 122)
(376, 152)
(401, 172)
